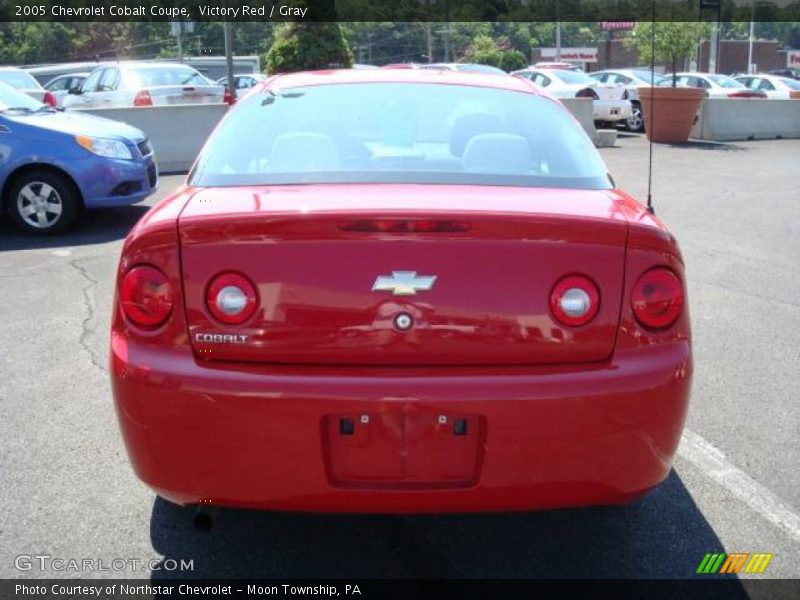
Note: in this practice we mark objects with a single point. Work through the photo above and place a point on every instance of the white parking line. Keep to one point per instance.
(712, 462)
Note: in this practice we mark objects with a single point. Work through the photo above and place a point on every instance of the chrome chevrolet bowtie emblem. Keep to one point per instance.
(403, 283)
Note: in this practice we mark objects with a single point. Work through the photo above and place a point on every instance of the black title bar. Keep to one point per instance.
(393, 10)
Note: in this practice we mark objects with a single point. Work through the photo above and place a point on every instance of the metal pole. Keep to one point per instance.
(229, 57)
(713, 46)
(558, 30)
(752, 31)
(447, 48)
(180, 41)
(558, 41)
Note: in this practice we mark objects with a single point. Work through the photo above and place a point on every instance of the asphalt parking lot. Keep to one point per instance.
(67, 490)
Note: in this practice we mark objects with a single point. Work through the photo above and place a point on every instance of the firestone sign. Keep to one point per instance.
(577, 54)
(793, 58)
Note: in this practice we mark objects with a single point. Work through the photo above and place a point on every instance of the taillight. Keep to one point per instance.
(142, 98)
(405, 226)
(231, 298)
(587, 93)
(50, 99)
(146, 296)
(657, 298)
(227, 97)
(574, 300)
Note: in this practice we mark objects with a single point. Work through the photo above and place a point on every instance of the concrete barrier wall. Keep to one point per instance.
(176, 132)
(583, 110)
(731, 119)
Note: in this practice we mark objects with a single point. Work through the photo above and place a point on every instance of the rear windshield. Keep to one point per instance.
(19, 79)
(647, 75)
(142, 77)
(792, 83)
(11, 98)
(400, 133)
(725, 81)
(573, 76)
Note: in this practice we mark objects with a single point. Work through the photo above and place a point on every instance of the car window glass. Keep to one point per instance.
(19, 80)
(92, 80)
(766, 85)
(58, 85)
(602, 77)
(144, 77)
(400, 132)
(109, 81)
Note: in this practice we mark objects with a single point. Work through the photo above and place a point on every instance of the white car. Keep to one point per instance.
(243, 81)
(27, 84)
(611, 104)
(122, 84)
(464, 67)
(63, 85)
(772, 85)
(632, 79)
(715, 85)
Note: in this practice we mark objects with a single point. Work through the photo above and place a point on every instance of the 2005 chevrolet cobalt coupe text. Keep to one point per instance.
(400, 291)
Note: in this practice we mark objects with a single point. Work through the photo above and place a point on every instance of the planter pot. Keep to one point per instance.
(669, 112)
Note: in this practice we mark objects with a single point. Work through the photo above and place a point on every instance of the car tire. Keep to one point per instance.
(635, 122)
(43, 202)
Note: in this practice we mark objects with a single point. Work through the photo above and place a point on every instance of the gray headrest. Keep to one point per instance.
(304, 151)
(498, 153)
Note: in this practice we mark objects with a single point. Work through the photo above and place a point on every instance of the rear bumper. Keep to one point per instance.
(612, 110)
(257, 437)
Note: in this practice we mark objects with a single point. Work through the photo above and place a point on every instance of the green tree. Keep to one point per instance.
(673, 41)
(487, 50)
(306, 46)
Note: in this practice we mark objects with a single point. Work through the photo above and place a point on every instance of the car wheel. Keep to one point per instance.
(43, 203)
(635, 122)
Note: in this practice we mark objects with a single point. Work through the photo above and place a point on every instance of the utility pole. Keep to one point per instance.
(558, 31)
(752, 31)
(447, 48)
(229, 56)
(429, 41)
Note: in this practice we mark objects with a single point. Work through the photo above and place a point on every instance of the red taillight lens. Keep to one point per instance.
(657, 298)
(146, 296)
(574, 300)
(142, 98)
(227, 97)
(50, 99)
(587, 93)
(231, 298)
(405, 226)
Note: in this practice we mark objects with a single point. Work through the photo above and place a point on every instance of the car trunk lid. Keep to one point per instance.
(334, 270)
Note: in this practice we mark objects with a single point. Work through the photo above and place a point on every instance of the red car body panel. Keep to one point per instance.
(487, 404)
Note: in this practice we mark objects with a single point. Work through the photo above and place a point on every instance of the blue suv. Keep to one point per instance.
(55, 164)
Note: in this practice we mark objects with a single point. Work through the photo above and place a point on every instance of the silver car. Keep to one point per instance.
(631, 79)
(65, 84)
(116, 85)
(243, 81)
(26, 83)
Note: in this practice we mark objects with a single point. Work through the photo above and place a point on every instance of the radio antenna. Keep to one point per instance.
(652, 104)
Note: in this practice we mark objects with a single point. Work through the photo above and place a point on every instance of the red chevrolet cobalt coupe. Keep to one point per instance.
(400, 291)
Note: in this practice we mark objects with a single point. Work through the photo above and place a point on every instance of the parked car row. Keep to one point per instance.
(54, 164)
(128, 83)
(611, 103)
(26, 83)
